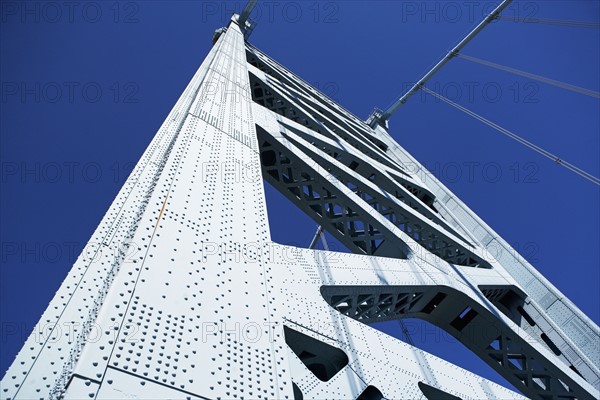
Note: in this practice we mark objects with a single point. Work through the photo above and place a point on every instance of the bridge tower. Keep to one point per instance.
(199, 303)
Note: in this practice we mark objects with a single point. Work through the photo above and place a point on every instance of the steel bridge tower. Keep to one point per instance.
(201, 304)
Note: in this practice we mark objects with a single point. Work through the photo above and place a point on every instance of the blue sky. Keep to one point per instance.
(85, 89)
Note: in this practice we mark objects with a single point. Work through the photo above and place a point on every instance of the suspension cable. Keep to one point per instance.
(379, 117)
(405, 332)
(313, 242)
(324, 241)
(529, 20)
(319, 234)
(539, 78)
(516, 137)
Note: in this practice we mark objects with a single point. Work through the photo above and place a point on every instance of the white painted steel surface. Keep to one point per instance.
(185, 296)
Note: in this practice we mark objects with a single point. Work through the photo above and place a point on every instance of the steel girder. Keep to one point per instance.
(304, 142)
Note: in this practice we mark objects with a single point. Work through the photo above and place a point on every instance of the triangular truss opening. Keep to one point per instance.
(301, 231)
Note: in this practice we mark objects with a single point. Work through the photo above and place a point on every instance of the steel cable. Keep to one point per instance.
(539, 78)
(516, 137)
(562, 22)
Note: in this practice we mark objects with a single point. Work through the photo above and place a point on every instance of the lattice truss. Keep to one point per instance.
(345, 176)
(184, 295)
